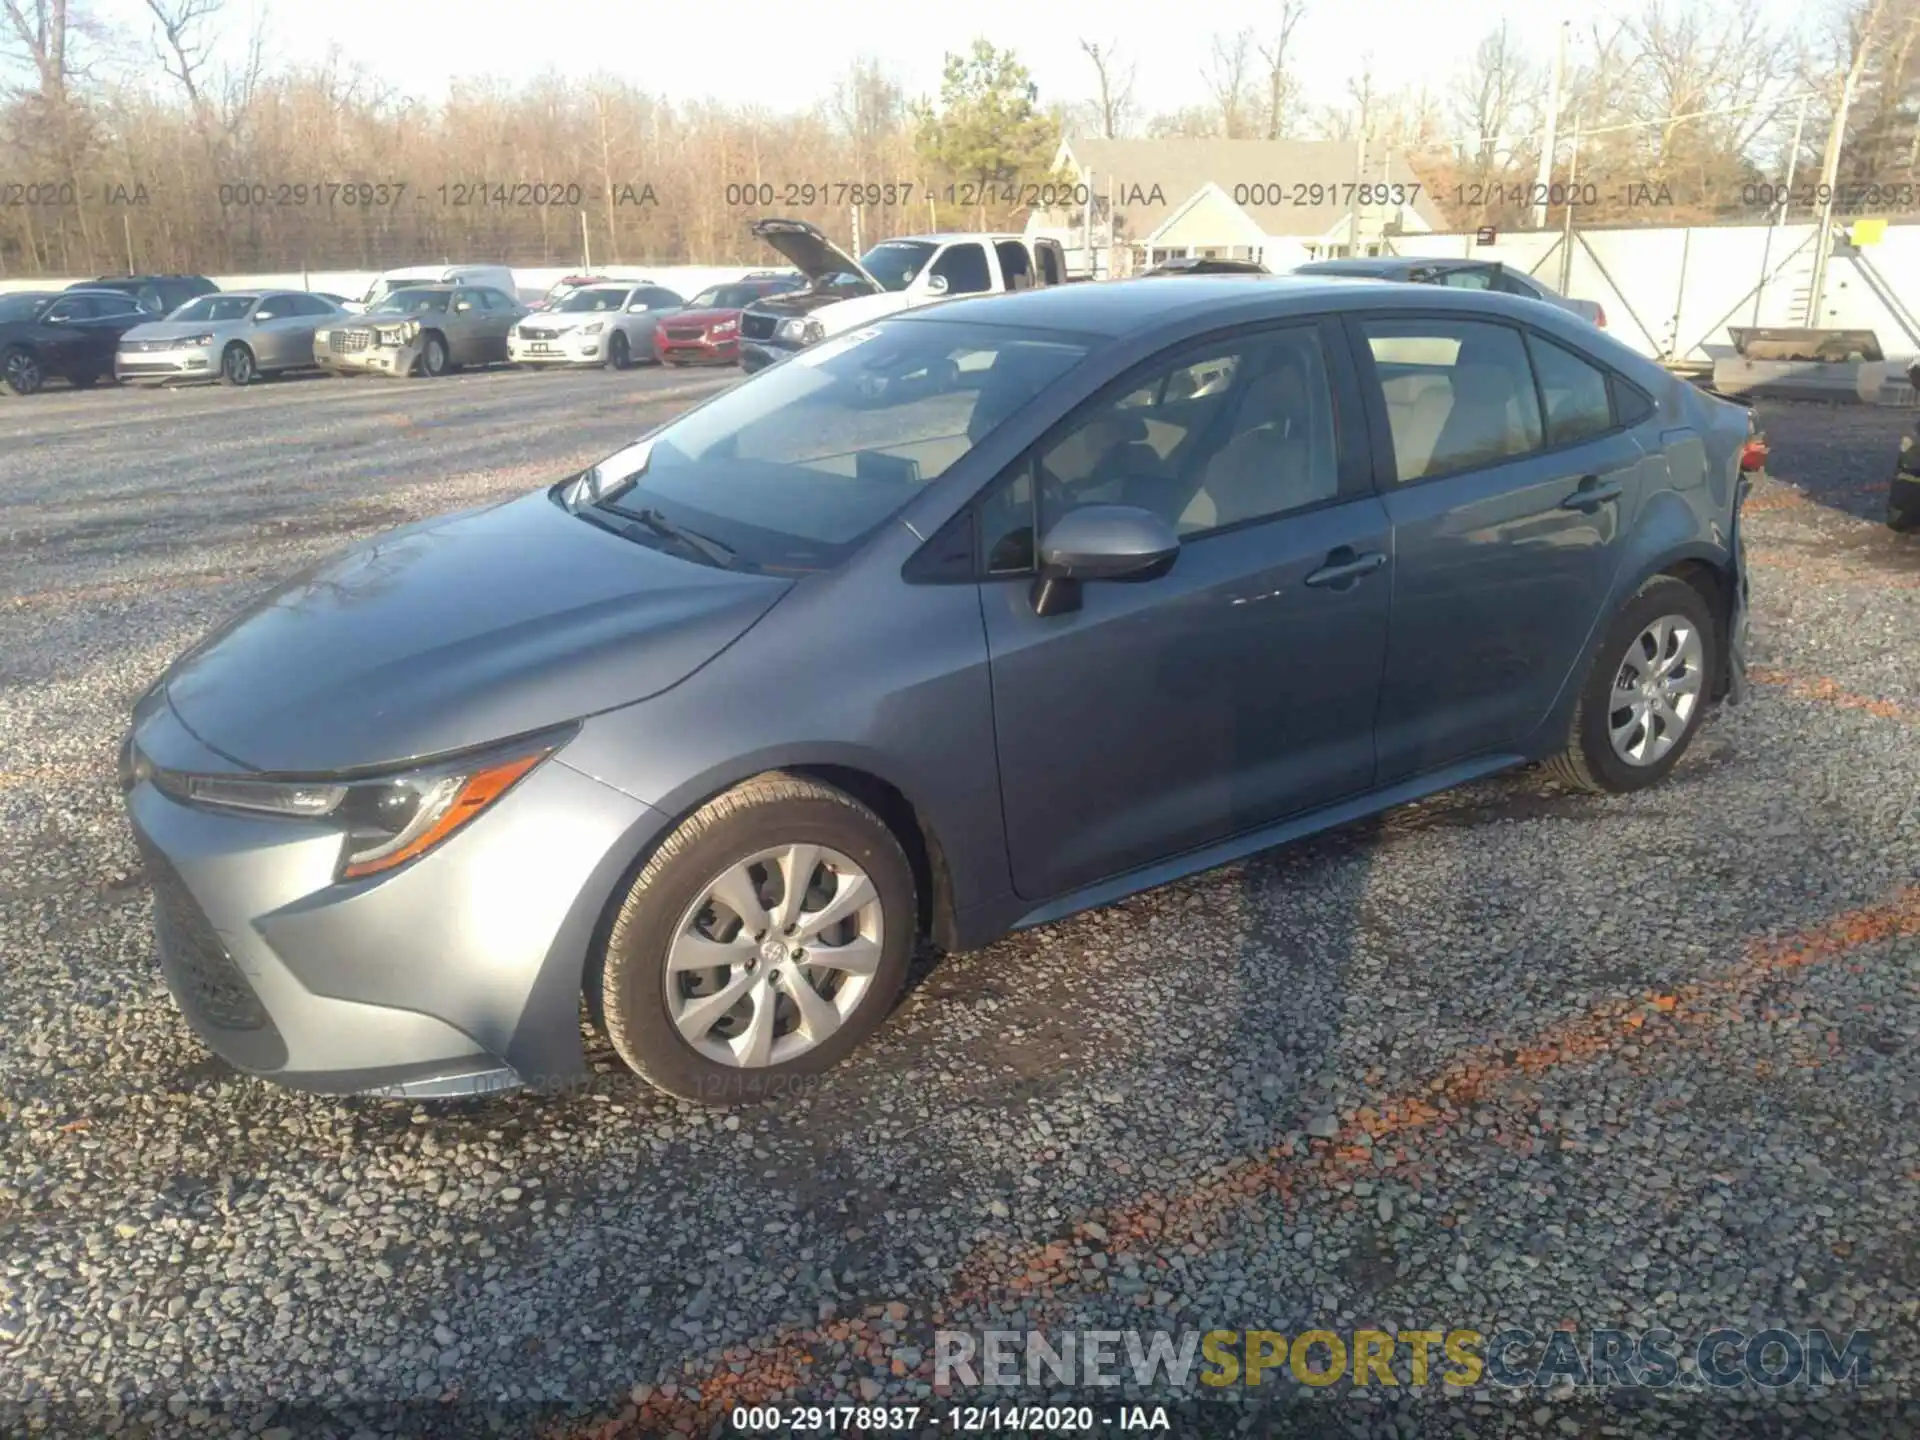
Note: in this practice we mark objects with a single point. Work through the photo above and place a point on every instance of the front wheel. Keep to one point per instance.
(1903, 503)
(765, 939)
(21, 372)
(618, 355)
(1648, 688)
(237, 365)
(434, 359)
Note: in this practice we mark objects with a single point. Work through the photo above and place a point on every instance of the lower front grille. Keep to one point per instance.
(196, 960)
(685, 332)
(757, 327)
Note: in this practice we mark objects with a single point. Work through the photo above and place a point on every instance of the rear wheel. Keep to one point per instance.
(21, 373)
(765, 939)
(237, 365)
(1903, 502)
(1644, 697)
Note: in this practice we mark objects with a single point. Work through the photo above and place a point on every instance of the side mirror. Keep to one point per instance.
(936, 284)
(58, 319)
(1100, 542)
(260, 315)
(639, 309)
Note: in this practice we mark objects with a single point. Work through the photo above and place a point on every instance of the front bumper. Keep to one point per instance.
(758, 354)
(186, 362)
(459, 973)
(704, 351)
(564, 350)
(373, 360)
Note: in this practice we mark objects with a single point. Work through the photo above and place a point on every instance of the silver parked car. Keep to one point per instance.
(235, 336)
(611, 324)
(423, 330)
(1493, 275)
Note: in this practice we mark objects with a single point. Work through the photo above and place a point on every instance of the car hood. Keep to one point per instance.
(456, 632)
(701, 317)
(181, 329)
(797, 302)
(809, 251)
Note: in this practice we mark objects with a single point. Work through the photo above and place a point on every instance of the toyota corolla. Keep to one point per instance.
(957, 623)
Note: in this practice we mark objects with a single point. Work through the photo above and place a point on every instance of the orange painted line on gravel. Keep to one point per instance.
(56, 774)
(764, 1368)
(1827, 692)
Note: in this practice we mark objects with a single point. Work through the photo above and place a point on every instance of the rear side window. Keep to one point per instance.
(1466, 279)
(964, 267)
(1630, 404)
(1575, 392)
(1459, 394)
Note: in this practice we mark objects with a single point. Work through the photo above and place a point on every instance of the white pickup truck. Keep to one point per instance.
(894, 275)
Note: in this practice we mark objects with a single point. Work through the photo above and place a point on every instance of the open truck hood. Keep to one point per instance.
(810, 252)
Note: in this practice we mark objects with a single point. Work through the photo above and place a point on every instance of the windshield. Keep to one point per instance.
(381, 289)
(22, 307)
(726, 297)
(794, 469)
(414, 302)
(592, 300)
(894, 263)
(215, 307)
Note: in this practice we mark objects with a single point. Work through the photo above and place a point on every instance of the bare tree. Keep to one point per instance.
(1113, 101)
(1229, 76)
(1492, 99)
(1282, 93)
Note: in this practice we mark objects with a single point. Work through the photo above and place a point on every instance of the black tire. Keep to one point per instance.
(1903, 503)
(1589, 762)
(21, 372)
(619, 354)
(627, 984)
(237, 366)
(435, 359)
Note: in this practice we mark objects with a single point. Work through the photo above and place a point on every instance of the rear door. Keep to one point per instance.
(1236, 689)
(1510, 482)
(278, 334)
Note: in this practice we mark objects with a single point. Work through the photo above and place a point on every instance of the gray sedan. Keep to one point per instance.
(427, 330)
(955, 623)
(235, 336)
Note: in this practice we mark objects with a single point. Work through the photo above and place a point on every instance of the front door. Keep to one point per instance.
(1508, 528)
(1236, 689)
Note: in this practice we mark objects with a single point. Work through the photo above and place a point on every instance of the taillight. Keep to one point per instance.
(1753, 455)
(1600, 316)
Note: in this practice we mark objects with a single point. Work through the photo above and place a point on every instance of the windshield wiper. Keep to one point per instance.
(711, 549)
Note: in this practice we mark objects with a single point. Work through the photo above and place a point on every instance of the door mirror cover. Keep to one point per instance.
(936, 284)
(1108, 542)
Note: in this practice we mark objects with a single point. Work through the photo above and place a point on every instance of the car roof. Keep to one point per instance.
(1116, 308)
(1386, 264)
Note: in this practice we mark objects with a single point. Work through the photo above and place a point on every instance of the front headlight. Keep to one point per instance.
(726, 327)
(802, 331)
(386, 820)
(198, 340)
(594, 329)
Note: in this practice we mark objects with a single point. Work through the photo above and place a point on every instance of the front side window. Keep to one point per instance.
(1575, 392)
(964, 268)
(794, 470)
(1238, 433)
(1458, 393)
(76, 308)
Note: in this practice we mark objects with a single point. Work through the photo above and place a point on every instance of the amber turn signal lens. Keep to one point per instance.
(479, 791)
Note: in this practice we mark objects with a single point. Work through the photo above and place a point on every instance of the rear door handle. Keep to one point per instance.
(1343, 567)
(1592, 494)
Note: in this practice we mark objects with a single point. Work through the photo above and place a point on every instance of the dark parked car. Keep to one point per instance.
(72, 334)
(965, 620)
(158, 295)
(1903, 498)
(1208, 265)
(1459, 275)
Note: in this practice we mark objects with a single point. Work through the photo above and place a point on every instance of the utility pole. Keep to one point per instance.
(1548, 137)
(1777, 215)
(1566, 235)
(1830, 165)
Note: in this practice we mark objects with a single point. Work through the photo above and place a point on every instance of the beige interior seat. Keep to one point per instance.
(1417, 410)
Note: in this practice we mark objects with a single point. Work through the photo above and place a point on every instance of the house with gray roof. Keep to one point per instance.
(1281, 202)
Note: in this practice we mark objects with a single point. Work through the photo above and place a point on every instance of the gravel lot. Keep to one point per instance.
(1510, 1057)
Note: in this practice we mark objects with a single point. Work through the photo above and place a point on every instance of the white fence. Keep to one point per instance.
(1672, 293)
(688, 280)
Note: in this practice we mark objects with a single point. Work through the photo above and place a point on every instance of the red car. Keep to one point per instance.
(707, 330)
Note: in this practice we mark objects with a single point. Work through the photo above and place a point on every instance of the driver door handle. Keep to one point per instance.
(1343, 567)
(1592, 494)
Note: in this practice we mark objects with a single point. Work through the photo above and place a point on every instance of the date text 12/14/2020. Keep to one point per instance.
(952, 1420)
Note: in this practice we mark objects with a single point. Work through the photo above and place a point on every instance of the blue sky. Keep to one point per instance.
(786, 56)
